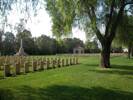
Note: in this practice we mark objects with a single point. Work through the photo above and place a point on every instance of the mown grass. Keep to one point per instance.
(86, 81)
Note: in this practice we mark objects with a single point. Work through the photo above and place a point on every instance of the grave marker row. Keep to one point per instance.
(21, 65)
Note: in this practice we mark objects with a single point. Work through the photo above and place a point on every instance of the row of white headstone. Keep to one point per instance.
(26, 66)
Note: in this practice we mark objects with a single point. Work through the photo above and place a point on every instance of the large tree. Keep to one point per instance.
(125, 33)
(90, 15)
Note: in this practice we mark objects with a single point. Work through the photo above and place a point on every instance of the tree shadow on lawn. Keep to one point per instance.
(112, 71)
(122, 67)
(115, 69)
(114, 66)
(64, 93)
(6, 94)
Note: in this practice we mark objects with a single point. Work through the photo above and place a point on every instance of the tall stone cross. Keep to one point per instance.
(21, 44)
(21, 50)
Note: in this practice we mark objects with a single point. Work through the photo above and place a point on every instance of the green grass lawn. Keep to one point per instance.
(86, 81)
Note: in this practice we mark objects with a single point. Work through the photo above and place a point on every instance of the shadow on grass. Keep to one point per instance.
(1, 77)
(120, 67)
(115, 69)
(6, 94)
(123, 67)
(113, 66)
(64, 93)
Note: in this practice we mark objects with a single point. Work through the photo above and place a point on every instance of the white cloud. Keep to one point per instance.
(40, 24)
(79, 34)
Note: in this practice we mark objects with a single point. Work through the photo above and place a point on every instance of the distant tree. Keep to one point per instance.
(9, 43)
(71, 43)
(46, 45)
(61, 47)
(92, 46)
(28, 41)
(1, 43)
(24, 34)
(53, 46)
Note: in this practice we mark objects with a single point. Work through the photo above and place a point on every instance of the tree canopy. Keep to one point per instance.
(125, 33)
(100, 16)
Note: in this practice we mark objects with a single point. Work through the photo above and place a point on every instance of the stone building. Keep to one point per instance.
(78, 50)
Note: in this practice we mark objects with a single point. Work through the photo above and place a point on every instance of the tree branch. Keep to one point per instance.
(117, 20)
(128, 3)
(92, 15)
(110, 18)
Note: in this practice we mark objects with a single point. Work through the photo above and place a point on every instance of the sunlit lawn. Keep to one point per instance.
(86, 81)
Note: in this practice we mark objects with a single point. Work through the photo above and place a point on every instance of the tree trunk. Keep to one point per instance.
(129, 51)
(105, 55)
(1, 33)
(132, 52)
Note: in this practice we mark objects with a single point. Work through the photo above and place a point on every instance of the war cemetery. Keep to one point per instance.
(66, 49)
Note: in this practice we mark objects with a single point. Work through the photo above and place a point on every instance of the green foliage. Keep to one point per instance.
(46, 45)
(70, 44)
(28, 42)
(61, 47)
(1, 44)
(9, 43)
(92, 15)
(125, 31)
(92, 47)
(36, 45)
(87, 14)
(80, 82)
(72, 12)
(62, 17)
(23, 35)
